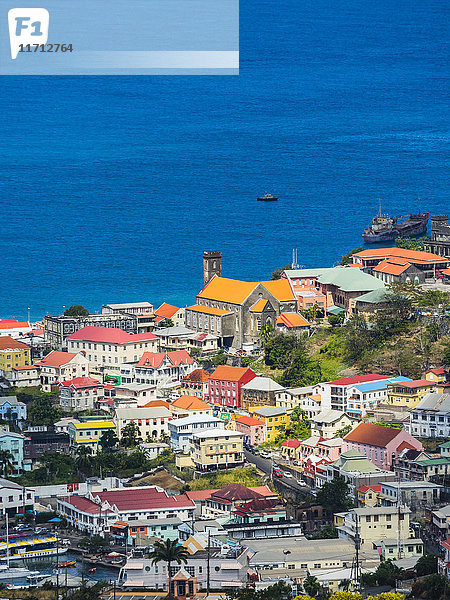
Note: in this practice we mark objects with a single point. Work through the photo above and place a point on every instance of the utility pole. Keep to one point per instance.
(57, 568)
(208, 565)
(357, 547)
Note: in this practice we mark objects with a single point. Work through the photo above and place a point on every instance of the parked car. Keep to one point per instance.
(277, 472)
(264, 454)
(297, 463)
(300, 482)
(288, 474)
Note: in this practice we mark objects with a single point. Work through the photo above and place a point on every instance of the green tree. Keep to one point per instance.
(410, 243)
(265, 334)
(130, 434)
(108, 440)
(6, 463)
(279, 272)
(280, 349)
(168, 551)
(312, 586)
(340, 433)
(347, 258)
(336, 320)
(42, 411)
(345, 584)
(426, 565)
(333, 495)
(299, 427)
(84, 459)
(220, 358)
(328, 533)
(387, 573)
(167, 323)
(93, 544)
(77, 310)
(432, 587)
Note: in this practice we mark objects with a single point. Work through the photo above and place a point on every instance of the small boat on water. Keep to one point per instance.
(68, 563)
(267, 198)
(94, 570)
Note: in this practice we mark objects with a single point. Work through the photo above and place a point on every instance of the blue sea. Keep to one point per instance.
(112, 187)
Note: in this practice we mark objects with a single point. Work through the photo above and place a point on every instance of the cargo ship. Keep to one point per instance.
(267, 198)
(384, 227)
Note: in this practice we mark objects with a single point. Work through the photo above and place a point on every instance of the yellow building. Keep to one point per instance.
(215, 449)
(88, 433)
(13, 354)
(408, 393)
(274, 418)
(368, 495)
(437, 375)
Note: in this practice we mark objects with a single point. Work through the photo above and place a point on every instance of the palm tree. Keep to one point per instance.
(108, 440)
(169, 551)
(6, 463)
(84, 459)
(265, 334)
(345, 584)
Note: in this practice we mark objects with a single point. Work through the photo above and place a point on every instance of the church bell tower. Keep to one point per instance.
(212, 265)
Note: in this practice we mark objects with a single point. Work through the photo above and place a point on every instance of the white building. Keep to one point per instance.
(431, 417)
(97, 511)
(27, 376)
(151, 422)
(328, 422)
(58, 366)
(158, 368)
(80, 393)
(182, 338)
(107, 348)
(14, 498)
(364, 397)
(336, 394)
(129, 308)
(181, 430)
(308, 398)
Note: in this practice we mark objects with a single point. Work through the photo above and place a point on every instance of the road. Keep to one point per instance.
(265, 465)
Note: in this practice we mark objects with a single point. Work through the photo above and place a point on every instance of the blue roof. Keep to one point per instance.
(373, 386)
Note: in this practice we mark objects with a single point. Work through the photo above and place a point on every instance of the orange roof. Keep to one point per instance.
(413, 256)
(280, 289)
(156, 403)
(366, 488)
(292, 320)
(167, 311)
(372, 435)
(197, 376)
(56, 359)
(209, 310)
(26, 367)
(392, 266)
(249, 421)
(9, 343)
(227, 373)
(236, 291)
(446, 271)
(259, 305)
(227, 290)
(187, 402)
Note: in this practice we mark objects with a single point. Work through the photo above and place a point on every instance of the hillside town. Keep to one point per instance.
(287, 437)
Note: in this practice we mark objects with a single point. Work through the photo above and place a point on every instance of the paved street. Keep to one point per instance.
(265, 465)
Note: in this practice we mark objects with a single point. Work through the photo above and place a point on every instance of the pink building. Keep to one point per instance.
(379, 444)
(254, 430)
(289, 448)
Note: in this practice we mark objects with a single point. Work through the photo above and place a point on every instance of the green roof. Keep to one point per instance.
(374, 297)
(308, 272)
(351, 279)
(433, 461)
(335, 310)
(445, 445)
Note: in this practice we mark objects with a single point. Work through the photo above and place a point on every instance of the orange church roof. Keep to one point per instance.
(187, 402)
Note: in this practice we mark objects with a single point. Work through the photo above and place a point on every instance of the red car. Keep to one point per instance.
(277, 472)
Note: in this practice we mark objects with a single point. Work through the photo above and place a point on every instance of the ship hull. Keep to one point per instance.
(415, 227)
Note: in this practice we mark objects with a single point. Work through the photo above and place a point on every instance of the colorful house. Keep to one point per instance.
(274, 418)
(58, 366)
(189, 405)
(409, 393)
(253, 430)
(196, 383)
(88, 433)
(289, 448)
(13, 354)
(379, 444)
(225, 385)
(368, 494)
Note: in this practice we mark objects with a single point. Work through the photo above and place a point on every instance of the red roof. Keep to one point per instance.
(55, 358)
(372, 435)
(81, 382)
(132, 499)
(446, 544)
(412, 384)
(226, 373)
(197, 376)
(358, 379)
(12, 324)
(155, 359)
(187, 402)
(109, 335)
(405, 445)
(9, 343)
(235, 492)
(365, 488)
(167, 311)
(250, 421)
(438, 371)
(291, 443)
(201, 495)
